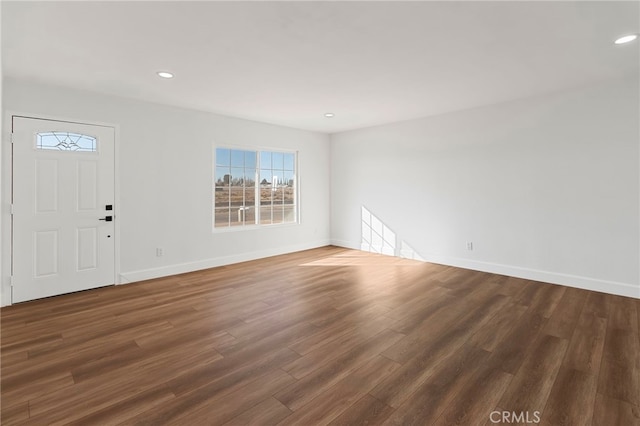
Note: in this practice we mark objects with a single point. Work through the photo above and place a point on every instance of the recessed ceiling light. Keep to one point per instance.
(165, 74)
(626, 39)
(329, 115)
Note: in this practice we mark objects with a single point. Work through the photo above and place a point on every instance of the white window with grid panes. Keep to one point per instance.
(254, 187)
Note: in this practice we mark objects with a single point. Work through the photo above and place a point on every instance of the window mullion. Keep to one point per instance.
(229, 189)
(244, 194)
(256, 198)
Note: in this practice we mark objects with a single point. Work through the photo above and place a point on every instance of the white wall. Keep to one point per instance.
(545, 188)
(165, 174)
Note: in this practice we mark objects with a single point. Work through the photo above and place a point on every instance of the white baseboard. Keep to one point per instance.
(586, 283)
(181, 268)
(345, 244)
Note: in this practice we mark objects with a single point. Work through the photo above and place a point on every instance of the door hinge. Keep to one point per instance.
(11, 137)
(11, 280)
(11, 209)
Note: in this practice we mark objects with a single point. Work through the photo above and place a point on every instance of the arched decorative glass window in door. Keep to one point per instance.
(66, 141)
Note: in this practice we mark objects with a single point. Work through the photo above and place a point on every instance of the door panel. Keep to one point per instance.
(87, 248)
(87, 180)
(63, 177)
(46, 253)
(46, 187)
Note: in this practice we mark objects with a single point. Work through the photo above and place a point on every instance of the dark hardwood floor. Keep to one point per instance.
(325, 336)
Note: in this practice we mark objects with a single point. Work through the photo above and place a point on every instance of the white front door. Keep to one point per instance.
(63, 196)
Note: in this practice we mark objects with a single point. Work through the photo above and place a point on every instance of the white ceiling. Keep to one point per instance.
(288, 63)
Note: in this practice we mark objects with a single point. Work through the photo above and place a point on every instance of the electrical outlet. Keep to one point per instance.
(159, 252)
(469, 245)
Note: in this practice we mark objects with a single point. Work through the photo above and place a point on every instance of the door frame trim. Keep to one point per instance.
(6, 190)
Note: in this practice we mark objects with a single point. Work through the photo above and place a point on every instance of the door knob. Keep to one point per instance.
(107, 219)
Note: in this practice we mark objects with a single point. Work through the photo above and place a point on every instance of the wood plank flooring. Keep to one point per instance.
(325, 336)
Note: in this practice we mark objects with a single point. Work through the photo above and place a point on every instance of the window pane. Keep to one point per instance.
(250, 216)
(237, 158)
(289, 196)
(250, 159)
(221, 219)
(289, 211)
(250, 177)
(277, 214)
(237, 176)
(265, 160)
(237, 216)
(66, 141)
(278, 195)
(265, 178)
(223, 176)
(265, 215)
(274, 179)
(222, 196)
(250, 206)
(243, 216)
(243, 213)
(277, 161)
(289, 161)
(266, 195)
(237, 196)
(222, 157)
(289, 179)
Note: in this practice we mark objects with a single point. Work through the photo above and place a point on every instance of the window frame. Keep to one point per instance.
(257, 199)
